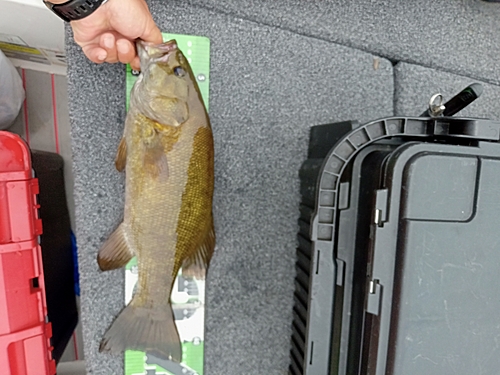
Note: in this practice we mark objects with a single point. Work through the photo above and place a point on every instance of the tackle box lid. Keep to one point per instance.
(319, 269)
(434, 277)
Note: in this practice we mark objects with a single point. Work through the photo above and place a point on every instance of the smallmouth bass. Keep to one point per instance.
(168, 157)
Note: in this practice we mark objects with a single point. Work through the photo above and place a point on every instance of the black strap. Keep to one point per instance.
(74, 9)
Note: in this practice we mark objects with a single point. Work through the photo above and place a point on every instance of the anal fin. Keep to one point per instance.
(115, 252)
(197, 264)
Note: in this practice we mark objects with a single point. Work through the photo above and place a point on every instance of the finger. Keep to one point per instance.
(111, 60)
(95, 53)
(126, 50)
(136, 63)
(107, 41)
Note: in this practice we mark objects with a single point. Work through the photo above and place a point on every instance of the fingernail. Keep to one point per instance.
(122, 47)
(101, 56)
(108, 42)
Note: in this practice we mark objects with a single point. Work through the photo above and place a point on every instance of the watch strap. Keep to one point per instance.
(73, 10)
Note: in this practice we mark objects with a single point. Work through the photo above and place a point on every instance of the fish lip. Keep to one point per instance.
(165, 46)
(157, 50)
(153, 52)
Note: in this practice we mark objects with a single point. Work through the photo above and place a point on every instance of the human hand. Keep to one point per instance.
(109, 34)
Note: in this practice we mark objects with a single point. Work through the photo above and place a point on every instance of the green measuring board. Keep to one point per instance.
(188, 295)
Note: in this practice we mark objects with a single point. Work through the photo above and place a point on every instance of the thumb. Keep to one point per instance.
(152, 33)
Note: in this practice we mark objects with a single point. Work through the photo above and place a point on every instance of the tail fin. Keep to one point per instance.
(149, 330)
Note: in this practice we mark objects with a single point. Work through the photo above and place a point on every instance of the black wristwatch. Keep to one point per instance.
(73, 10)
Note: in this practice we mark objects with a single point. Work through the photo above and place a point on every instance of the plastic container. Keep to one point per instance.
(25, 334)
(432, 301)
(397, 261)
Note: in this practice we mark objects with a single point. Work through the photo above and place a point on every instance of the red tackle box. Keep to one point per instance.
(25, 333)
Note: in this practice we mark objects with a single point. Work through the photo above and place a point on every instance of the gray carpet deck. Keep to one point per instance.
(459, 36)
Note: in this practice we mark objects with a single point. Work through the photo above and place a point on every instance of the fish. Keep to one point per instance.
(167, 153)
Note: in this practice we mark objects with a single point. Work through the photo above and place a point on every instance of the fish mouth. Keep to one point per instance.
(151, 52)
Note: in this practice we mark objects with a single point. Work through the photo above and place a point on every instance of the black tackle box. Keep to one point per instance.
(57, 251)
(398, 258)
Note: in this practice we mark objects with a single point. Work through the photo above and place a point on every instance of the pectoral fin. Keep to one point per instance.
(115, 252)
(121, 156)
(197, 264)
(155, 162)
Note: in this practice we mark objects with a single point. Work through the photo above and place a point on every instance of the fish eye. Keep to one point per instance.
(179, 72)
